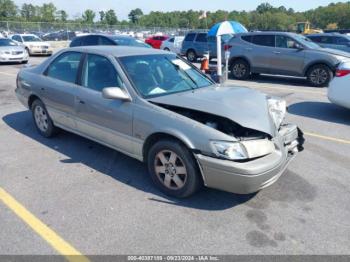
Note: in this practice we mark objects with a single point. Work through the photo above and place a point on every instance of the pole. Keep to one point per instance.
(8, 27)
(218, 52)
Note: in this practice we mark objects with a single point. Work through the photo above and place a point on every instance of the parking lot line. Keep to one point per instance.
(59, 244)
(339, 140)
(8, 74)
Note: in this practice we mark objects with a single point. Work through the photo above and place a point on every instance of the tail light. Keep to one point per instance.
(227, 47)
(342, 72)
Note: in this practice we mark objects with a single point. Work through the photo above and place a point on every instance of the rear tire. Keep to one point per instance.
(42, 119)
(240, 69)
(319, 75)
(191, 56)
(174, 169)
(167, 49)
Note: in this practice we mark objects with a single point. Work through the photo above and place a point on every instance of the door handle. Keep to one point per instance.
(42, 88)
(249, 49)
(276, 52)
(80, 101)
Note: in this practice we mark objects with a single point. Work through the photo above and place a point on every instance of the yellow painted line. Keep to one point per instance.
(290, 89)
(59, 244)
(8, 74)
(339, 140)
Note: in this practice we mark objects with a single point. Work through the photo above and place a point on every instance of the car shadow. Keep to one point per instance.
(118, 166)
(321, 110)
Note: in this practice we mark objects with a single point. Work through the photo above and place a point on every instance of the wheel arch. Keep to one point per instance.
(157, 136)
(233, 59)
(318, 62)
(31, 99)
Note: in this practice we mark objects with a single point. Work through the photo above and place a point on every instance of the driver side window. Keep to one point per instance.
(98, 73)
(285, 42)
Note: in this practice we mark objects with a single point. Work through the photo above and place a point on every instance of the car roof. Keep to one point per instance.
(268, 33)
(118, 51)
(327, 34)
(106, 35)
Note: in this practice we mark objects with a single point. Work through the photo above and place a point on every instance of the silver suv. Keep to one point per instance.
(282, 53)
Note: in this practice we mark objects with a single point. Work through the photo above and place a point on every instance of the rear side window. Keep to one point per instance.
(201, 38)
(190, 37)
(171, 40)
(316, 39)
(247, 38)
(65, 67)
(264, 40)
(98, 73)
(341, 40)
(326, 40)
(105, 41)
(17, 38)
(75, 42)
(90, 40)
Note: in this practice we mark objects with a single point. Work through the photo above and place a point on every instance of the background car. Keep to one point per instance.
(156, 41)
(59, 36)
(33, 44)
(339, 88)
(10, 51)
(196, 44)
(99, 39)
(282, 53)
(332, 40)
(173, 44)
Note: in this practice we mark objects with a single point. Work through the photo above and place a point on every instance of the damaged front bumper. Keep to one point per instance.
(252, 176)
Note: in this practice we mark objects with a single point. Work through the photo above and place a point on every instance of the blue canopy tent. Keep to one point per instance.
(224, 28)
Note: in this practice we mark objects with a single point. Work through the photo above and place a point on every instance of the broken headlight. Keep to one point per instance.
(229, 150)
(277, 109)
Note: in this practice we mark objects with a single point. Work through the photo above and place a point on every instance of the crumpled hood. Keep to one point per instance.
(244, 106)
(334, 52)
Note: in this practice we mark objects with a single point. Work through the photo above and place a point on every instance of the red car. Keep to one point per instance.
(156, 41)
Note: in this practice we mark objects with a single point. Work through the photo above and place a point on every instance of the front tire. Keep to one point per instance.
(173, 169)
(42, 119)
(319, 75)
(240, 69)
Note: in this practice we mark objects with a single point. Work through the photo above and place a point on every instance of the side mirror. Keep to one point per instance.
(298, 46)
(115, 93)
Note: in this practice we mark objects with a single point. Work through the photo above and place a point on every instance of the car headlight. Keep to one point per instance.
(277, 109)
(229, 150)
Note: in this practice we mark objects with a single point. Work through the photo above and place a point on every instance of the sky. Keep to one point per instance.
(123, 7)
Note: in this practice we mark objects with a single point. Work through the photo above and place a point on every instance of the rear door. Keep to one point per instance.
(201, 44)
(286, 57)
(106, 120)
(58, 88)
(188, 43)
(260, 54)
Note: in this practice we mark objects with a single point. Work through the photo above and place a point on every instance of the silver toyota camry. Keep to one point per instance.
(156, 107)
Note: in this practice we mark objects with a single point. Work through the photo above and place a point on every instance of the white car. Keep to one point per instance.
(33, 44)
(10, 51)
(339, 88)
(173, 44)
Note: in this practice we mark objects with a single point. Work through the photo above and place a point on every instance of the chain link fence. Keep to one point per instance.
(67, 31)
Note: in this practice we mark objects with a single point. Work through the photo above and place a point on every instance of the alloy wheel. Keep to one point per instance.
(318, 76)
(41, 118)
(170, 170)
(239, 70)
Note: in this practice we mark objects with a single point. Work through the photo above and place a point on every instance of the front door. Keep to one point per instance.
(287, 58)
(105, 120)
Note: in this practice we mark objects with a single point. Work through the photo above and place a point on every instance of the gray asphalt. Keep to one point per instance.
(103, 202)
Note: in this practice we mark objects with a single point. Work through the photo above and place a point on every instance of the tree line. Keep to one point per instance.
(264, 17)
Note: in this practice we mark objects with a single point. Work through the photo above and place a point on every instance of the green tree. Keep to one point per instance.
(88, 16)
(62, 15)
(110, 17)
(135, 15)
(28, 12)
(48, 12)
(8, 9)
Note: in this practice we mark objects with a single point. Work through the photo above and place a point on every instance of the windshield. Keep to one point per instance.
(156, 75)
(306, 41)
(7, 42)
(31, 38)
